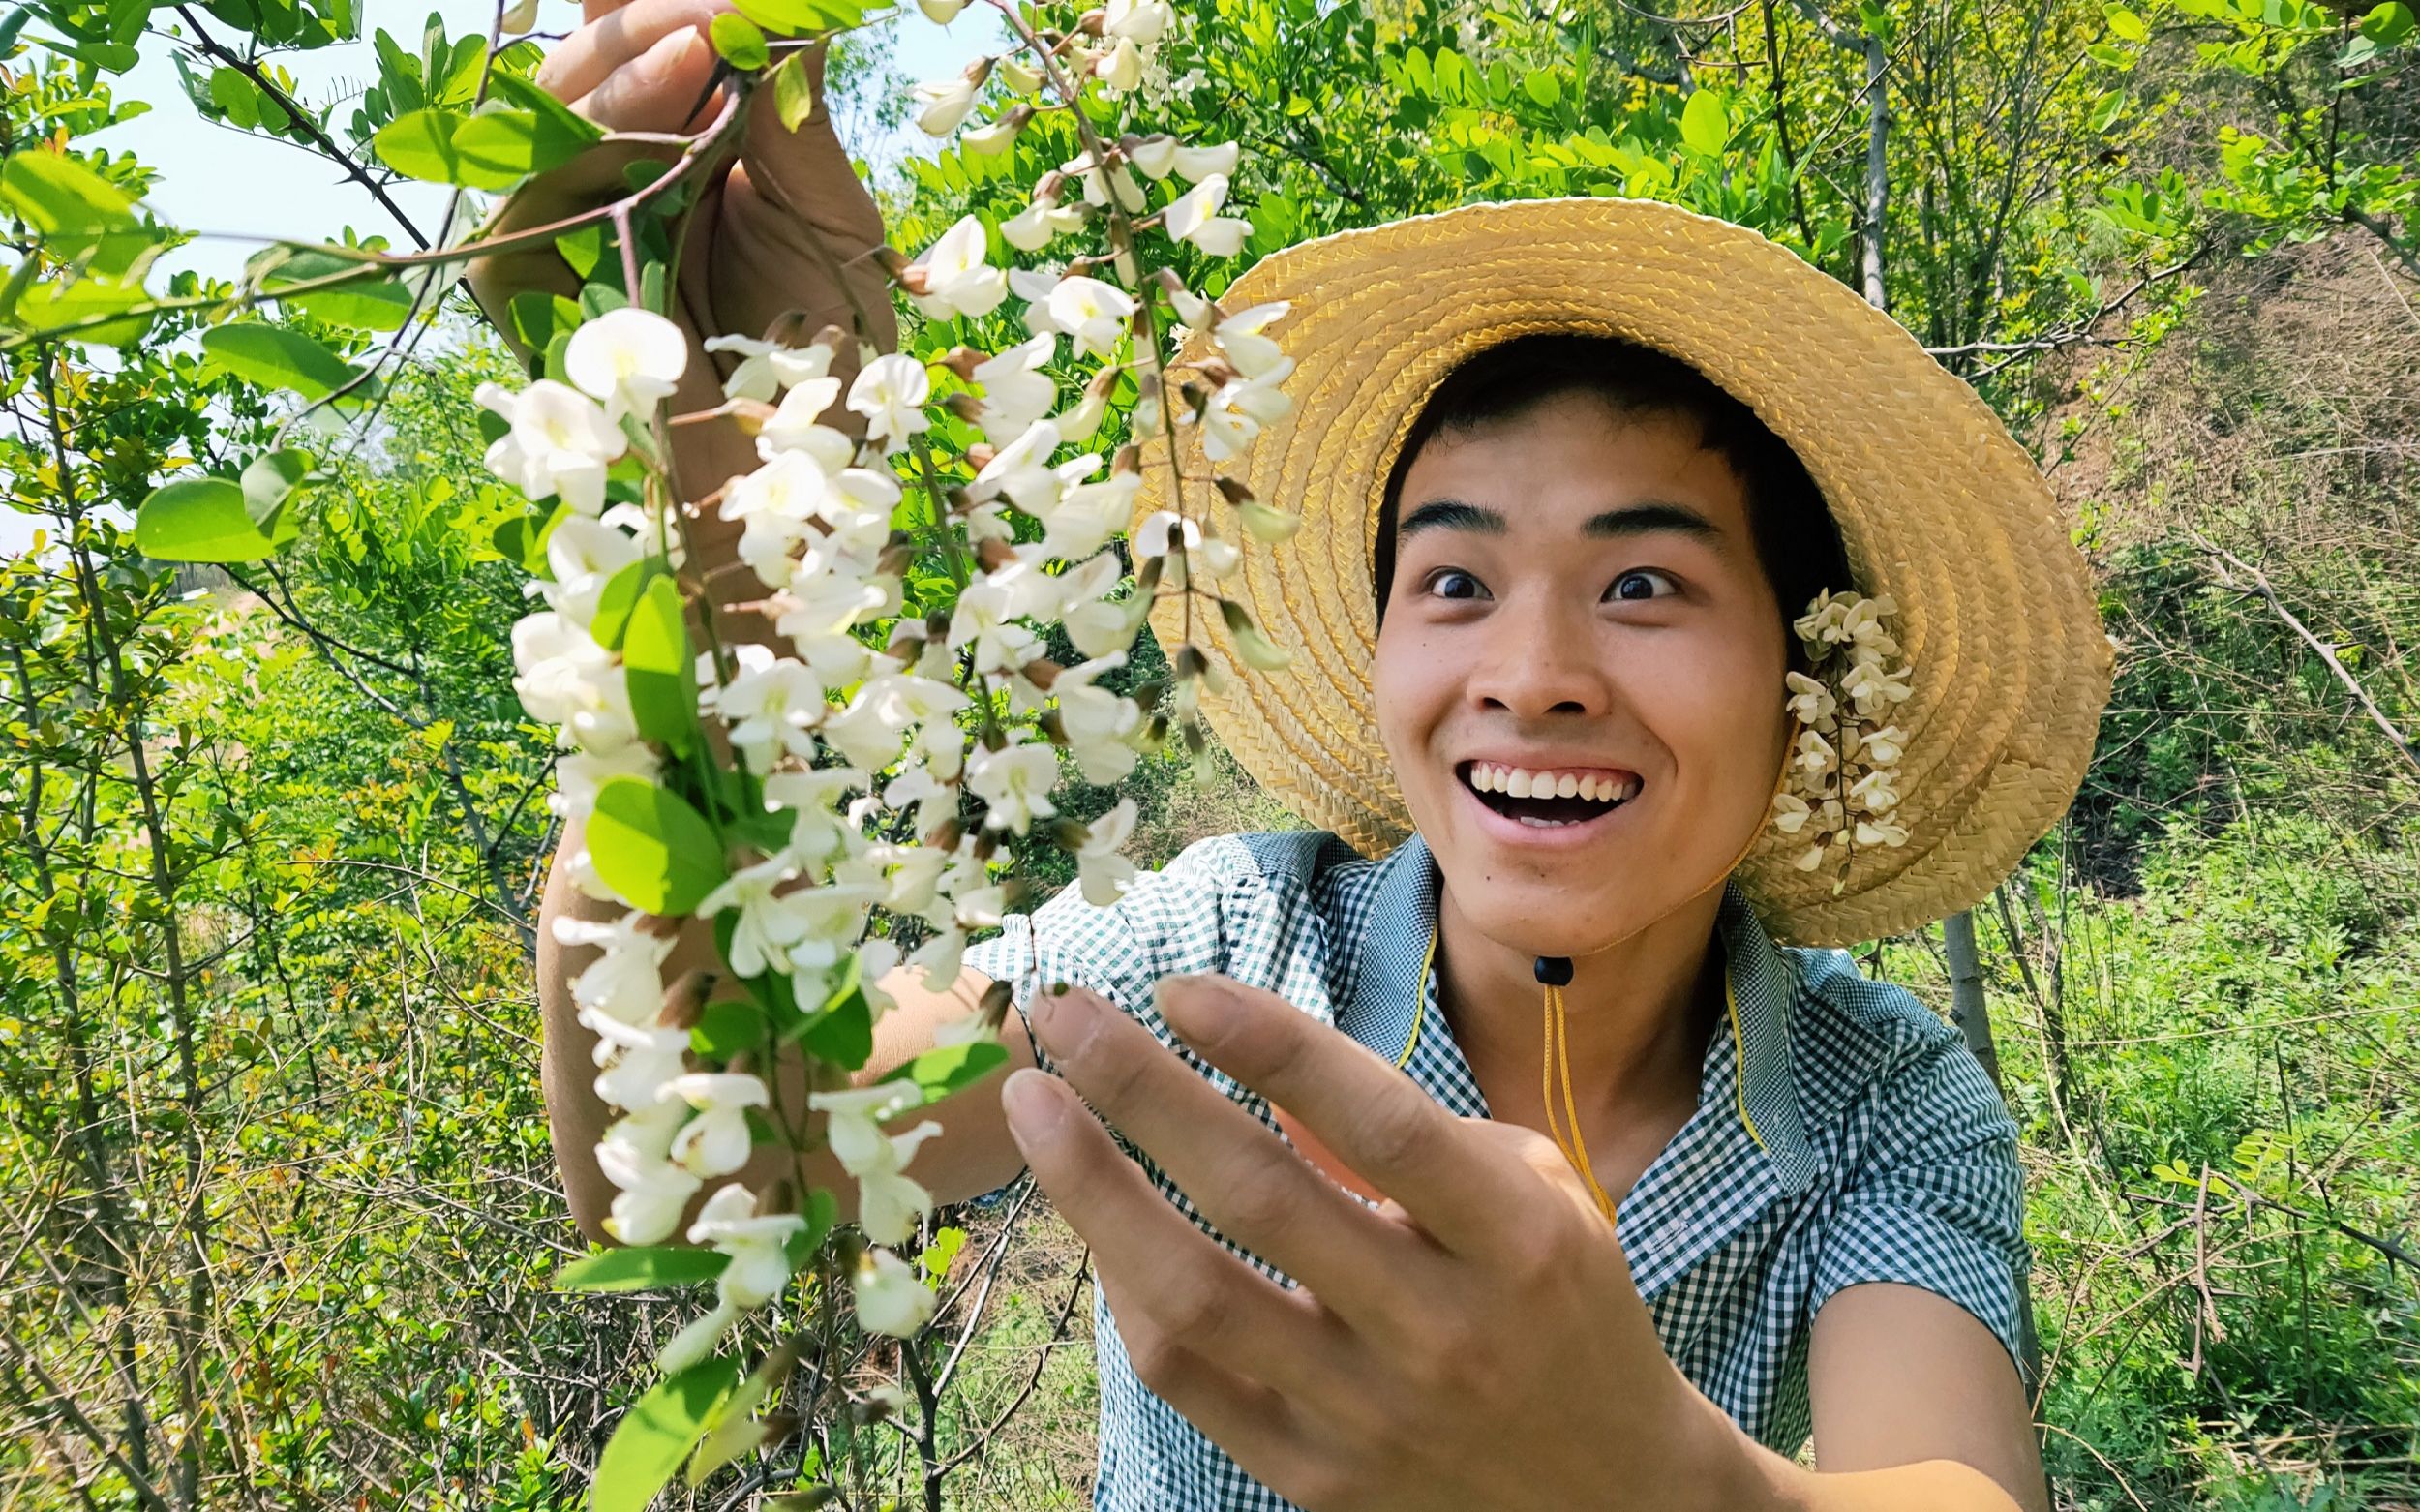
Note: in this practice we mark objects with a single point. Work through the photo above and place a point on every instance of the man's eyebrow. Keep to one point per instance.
(1450, 514)
(1643, 518)
(1639, 519)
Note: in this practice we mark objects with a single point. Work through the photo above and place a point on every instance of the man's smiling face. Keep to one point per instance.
(1579, 674)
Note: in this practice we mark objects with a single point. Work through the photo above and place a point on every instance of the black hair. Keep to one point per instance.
(1797, 542)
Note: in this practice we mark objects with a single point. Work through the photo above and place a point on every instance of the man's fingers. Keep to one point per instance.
(1177, 1288)
(1243, 1178)
(614, 36)
(1378, 1120)
(662, 89)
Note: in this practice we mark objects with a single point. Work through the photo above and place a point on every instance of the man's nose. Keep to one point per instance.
(1541, 659)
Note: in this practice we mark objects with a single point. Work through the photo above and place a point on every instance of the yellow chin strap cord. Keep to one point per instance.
(1554, 973)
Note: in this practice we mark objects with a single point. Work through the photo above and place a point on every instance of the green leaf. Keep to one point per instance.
(653, 849)
(522, 539)
(822, 1210)
(739, 42)
(843, 1033)
(426, 145)
(952, 1068)
(1705, 126)
(659, 669)
(657, 1433)
(797, 18)
(794, 97)
(236, 97)
(582, 249)
(514, 144)
(200, 520)
(276, 356)
(2124, 24)
(270, 477)
(64, 302)
(12, 24)
(419, 145)
(367, 303)
(528, 95)
(727, 1026)
(1542, 86)
(75, 212)
(618, 599)
(532, 316)
(2388, 24)
(641, 1268)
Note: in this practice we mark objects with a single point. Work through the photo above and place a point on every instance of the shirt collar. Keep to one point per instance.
(1393, 989)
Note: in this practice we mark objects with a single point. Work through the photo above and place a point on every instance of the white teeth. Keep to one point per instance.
(1521, 782)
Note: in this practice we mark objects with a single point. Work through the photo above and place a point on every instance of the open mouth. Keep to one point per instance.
(1552, 798)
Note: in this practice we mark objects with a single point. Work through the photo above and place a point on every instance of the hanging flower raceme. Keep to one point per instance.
(1840, 785)
(833, 776)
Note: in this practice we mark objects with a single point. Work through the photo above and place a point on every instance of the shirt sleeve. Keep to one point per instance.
(1940, 1201)
(1173, 920)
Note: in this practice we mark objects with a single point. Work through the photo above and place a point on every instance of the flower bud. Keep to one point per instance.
(1021, 77)
(1129, 460)
(1042, 672)
(1265, 524)
(978, 70)
(963, 360)
(1233, 490)
(1093, 22)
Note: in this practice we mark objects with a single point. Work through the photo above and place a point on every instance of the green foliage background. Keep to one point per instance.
(280, 1210)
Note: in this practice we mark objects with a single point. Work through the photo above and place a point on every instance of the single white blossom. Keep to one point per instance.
(1194, 218)
(1015, 784)
(715, 1142)
(1104, 874)
(956, 279)
(940, 108)
(766, 368)
(1193, 164)
(630, 358)
(559, 444)
(891, 393)
(1139, 21)
(891, 1296)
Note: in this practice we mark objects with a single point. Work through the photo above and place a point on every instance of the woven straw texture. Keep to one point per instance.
(1938, 506)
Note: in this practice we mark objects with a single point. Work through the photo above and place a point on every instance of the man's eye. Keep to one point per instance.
(1454, 583)
(1640, 583)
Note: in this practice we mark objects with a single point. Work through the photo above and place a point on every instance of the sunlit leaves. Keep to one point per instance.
(277, 356)
(1705, 126)
(657, 1433)
(739, 42)
(208, 519)
(652, 848)
(641, 1268)
(494, 149)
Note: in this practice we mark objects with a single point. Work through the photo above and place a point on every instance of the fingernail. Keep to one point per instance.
(1064, 1021)
(1036, 1113)
(1197, 1008)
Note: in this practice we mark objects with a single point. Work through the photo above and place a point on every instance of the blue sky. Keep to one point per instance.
(216, 179)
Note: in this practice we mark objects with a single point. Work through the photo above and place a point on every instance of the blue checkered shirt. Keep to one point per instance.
(1872, 1147)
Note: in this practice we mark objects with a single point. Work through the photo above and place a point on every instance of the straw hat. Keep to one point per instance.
(1937, 504)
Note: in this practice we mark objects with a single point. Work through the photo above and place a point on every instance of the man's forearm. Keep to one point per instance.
(1738, 1474)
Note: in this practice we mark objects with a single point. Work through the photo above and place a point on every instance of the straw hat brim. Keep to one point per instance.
(1937, 504)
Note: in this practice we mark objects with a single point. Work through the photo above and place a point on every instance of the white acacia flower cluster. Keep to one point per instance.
(1843, 784)
(893, 751)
